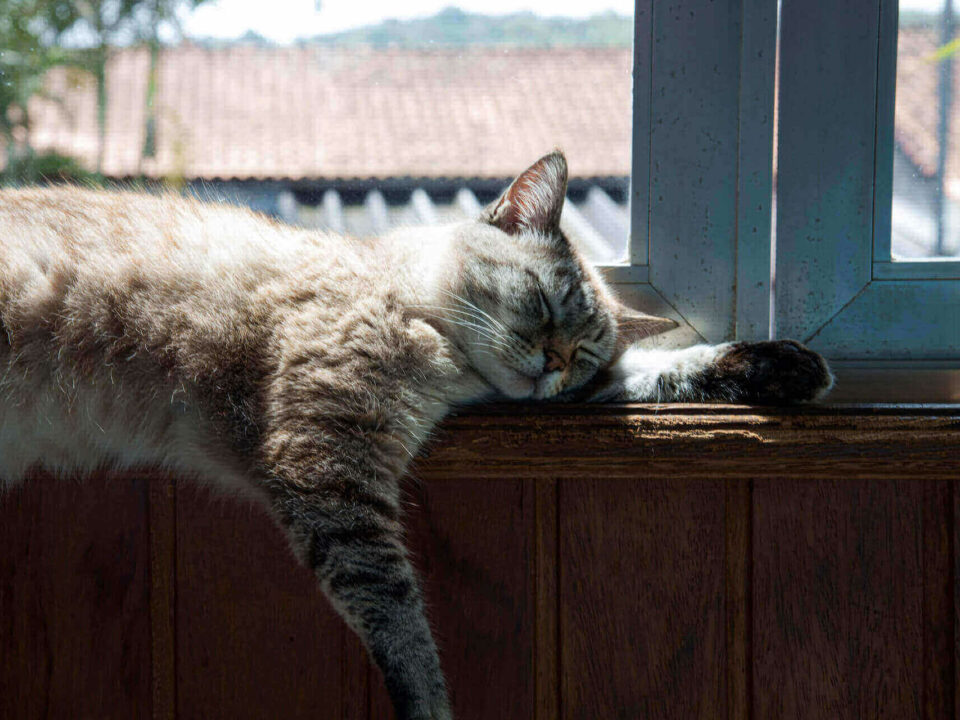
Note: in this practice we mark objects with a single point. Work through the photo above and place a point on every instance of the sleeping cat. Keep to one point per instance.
(307, 369)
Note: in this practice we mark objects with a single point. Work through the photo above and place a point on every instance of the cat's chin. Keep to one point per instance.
(513, 384)
(517, 386)
(548, 385)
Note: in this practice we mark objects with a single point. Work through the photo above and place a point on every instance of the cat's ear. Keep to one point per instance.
(633, 325)
(534, 200)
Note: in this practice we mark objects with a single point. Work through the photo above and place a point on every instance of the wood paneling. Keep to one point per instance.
(642, 599)
(737, 521)
(473, 545)
(838, 621)
(547, 598)
(939, 684)
(955, 554)
(696, 561)
(255, 637)
(653, 597)
(74, 599)
(163, 539)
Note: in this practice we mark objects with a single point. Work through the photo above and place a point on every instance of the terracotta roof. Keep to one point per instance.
(313, 112)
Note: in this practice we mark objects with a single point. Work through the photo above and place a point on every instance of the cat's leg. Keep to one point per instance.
(342, 515)
(776, 371)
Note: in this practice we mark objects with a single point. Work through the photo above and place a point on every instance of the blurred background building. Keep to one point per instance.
(395, 122)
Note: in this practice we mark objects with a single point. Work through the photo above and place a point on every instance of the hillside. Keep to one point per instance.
(454, 27)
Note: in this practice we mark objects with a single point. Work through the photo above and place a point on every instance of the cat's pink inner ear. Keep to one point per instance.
(633, 325)
(534, 201)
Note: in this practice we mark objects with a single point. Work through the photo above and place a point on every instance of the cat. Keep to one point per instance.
(307, 369)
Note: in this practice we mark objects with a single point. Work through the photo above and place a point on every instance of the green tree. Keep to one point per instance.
(109, 24)
(161, 13)
(29, 34)
(455, 27)
(33, 37)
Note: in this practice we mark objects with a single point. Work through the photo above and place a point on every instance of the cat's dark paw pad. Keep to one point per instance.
(776, 371)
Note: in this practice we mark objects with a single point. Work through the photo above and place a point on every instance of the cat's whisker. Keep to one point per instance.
(483, 331)
(466, 302)
(467, 314)
(479, 324)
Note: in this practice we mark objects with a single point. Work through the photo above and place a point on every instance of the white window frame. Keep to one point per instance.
(702, 189)
(702, 167)
(838, 287)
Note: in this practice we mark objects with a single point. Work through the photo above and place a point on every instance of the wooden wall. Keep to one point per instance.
(618, 562)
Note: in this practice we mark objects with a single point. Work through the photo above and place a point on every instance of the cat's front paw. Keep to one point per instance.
(774, 371)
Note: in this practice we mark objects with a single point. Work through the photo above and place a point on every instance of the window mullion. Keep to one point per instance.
(639, 254)
(755, 168)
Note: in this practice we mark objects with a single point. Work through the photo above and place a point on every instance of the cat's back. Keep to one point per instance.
(121, 313)
(82, 255)
(77, 230)
(111, 303)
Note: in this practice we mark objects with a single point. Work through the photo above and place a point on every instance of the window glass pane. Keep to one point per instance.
(926, 182)
(350, 115)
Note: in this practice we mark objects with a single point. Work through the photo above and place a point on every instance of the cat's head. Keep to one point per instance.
(532, 315)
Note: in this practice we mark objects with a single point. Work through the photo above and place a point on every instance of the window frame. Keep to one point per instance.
(681, 219)
(837, 287)
(870, 307)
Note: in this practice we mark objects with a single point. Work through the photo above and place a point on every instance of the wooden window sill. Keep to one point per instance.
(568, 439)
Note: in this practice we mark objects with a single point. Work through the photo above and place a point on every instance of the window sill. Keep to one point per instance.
(693, 439)
(896, 381)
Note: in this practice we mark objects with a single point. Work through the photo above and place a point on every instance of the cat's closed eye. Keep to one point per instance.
(583, 353)
(545, 309)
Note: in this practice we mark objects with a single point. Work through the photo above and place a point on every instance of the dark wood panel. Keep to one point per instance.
(737, 568)
(255, 638)
(580, 562)
(547, 566)
(642, 613)
(163, 552)
(938, 600)
(74, 599)
(473, 545)
(955, 489)
(838, 598)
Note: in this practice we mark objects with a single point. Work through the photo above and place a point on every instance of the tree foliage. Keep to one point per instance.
(29, 34)
(36, 35)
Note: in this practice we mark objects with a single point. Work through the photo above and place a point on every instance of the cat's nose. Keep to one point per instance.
(553, 361)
